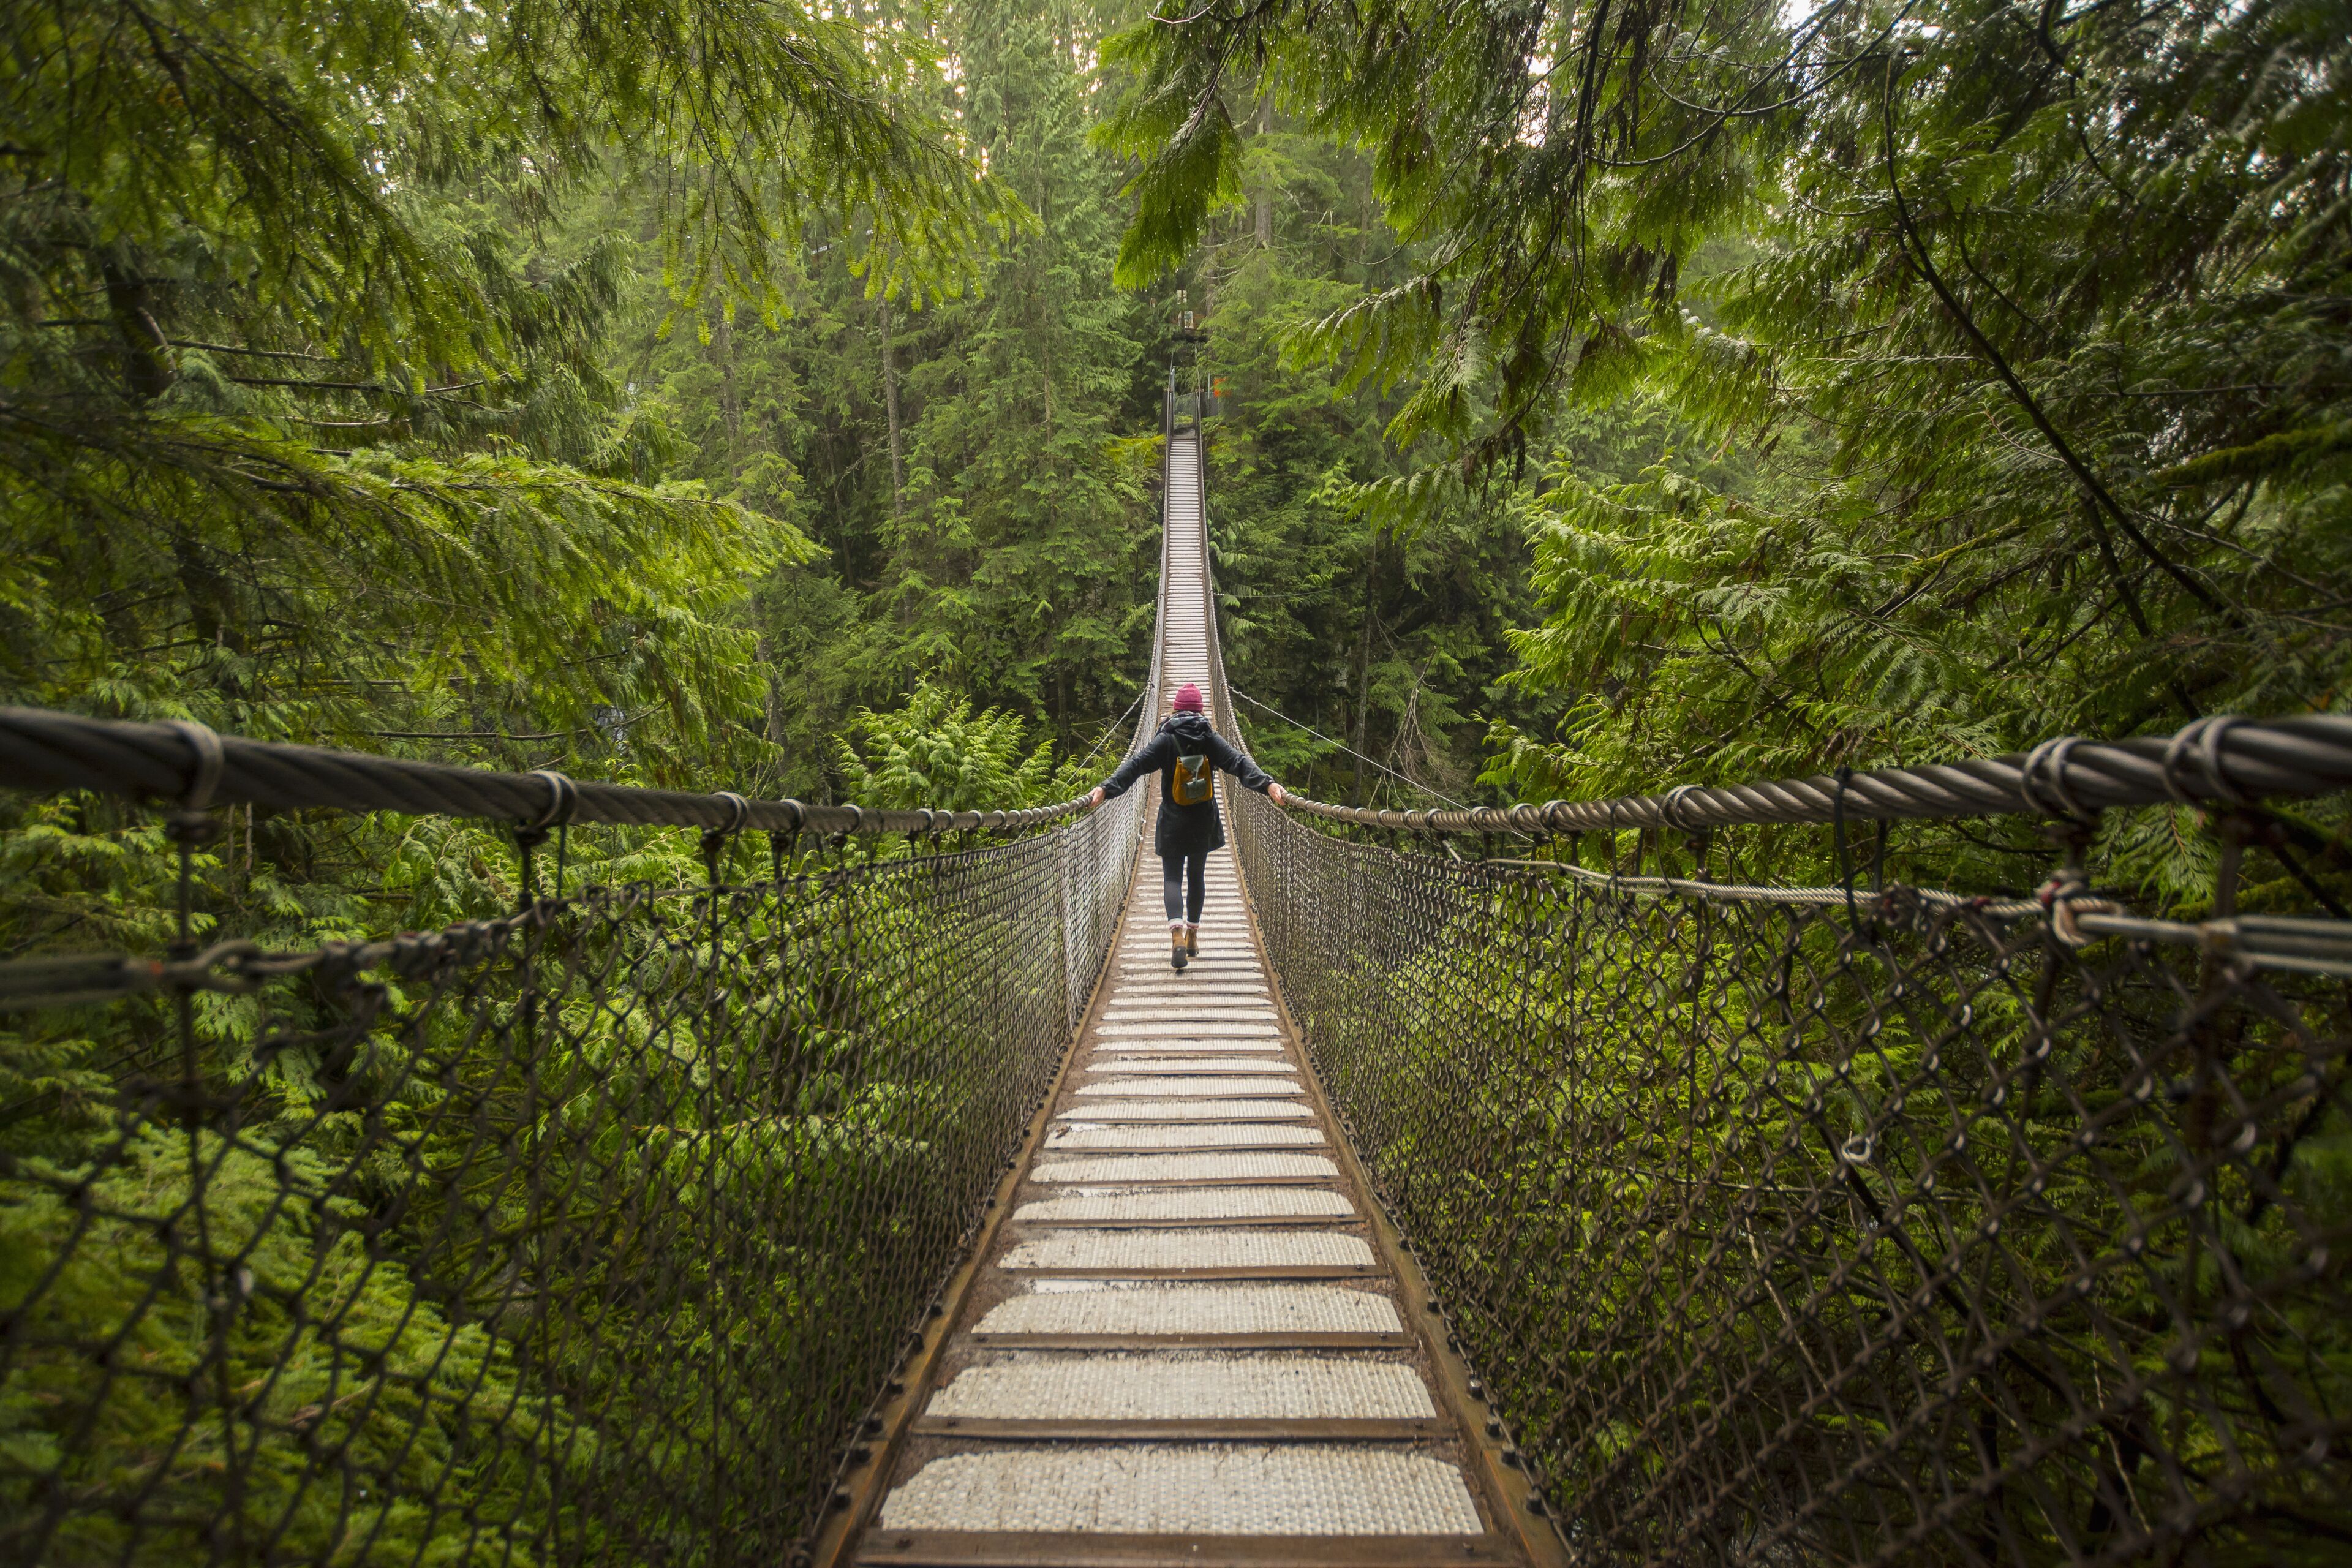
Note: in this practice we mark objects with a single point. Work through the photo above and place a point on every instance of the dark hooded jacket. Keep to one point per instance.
(1186, 829)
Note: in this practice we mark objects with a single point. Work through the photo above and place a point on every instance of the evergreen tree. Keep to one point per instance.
(1992, 362)
(294, 415)
(1021, 563)
(1382, 646)
(976, 468)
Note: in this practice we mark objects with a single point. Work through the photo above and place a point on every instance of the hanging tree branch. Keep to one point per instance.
(1916, 252)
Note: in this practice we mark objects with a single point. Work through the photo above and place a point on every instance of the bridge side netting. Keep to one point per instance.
(590, 1234)
(1789, 1225)
(1781, 1236)
(586, 1234)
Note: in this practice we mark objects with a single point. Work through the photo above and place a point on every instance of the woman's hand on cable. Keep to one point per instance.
(1095, 799)
(1274, 793)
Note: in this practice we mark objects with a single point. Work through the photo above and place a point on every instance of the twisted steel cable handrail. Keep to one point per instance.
(2220, 760)
(44, 749)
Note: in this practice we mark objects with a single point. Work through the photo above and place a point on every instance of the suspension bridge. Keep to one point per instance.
(1506, 1185)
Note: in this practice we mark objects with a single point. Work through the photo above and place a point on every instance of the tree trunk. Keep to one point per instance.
(730, 402)
(764, 651)
(890, 402)
(1265, 195)
(1361, 736)
(146, 356)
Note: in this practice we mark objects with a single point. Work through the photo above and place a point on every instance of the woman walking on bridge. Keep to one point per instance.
(1190, 829)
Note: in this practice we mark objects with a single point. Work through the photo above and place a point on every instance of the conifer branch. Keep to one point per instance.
(1916, 250)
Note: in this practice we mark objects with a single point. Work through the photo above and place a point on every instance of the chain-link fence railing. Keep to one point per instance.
(1909, 1232)
(588, 1235)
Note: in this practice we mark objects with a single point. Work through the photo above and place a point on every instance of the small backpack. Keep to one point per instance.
(1190, 784)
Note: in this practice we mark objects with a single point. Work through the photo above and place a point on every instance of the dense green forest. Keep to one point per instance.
(713, 394)
(1871, 383)
(652, 399)
(730, 395)
(553, 444)
(741, 394)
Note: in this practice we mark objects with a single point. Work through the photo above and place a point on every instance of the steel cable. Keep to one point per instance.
(2302, 756)
(46, 751)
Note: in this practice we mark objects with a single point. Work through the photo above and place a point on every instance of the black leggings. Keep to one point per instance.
(1184, 883)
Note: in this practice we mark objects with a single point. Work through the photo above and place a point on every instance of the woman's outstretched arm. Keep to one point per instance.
(1147, 760)
(1244, 768)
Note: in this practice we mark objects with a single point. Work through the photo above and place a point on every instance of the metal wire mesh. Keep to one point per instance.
(590, 1234)
(1786, 1238)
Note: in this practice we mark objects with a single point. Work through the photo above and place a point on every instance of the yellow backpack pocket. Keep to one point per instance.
(1191, 784)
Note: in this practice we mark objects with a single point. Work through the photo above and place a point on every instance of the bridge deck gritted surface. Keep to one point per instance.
(1185, 1346)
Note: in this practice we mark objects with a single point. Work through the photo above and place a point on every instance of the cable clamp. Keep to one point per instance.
(714, 840)
(562, 800)
(739, 812)
(205, 770)
(2201, 739)
(2067, 897)
(189, 824)
(2050, 795)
